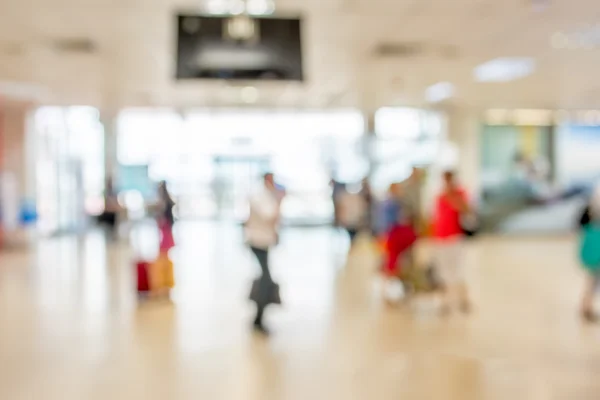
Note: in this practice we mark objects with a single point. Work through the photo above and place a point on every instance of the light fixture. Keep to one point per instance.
(439, 92)
(504, 69)
(249, 95)
(241, 27)
(217, 7)
(260, 7)
(238, 7)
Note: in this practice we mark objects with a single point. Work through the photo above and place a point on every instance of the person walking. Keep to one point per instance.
(336, 189)
(370, 206)
(262, 233)
(396, 237)
(352, 212)
(411, 200)
(589, 224)
(109, 216)
(166, 217)
(451, 205)
(166, 204)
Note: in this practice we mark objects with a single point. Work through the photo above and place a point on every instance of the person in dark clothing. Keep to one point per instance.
(262, 233)
(265, 284)
(336, 189)
(109, 216)
(370, 205)
(352, 211)
(166, 203)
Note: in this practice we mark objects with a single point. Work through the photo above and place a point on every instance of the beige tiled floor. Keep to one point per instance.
(71, 328)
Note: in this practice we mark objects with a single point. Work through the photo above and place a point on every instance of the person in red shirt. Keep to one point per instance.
(450, 206)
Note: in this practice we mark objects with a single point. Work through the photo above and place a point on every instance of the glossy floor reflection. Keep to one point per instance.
(71, 326)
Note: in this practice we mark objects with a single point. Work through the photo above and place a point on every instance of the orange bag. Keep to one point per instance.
(161, 273)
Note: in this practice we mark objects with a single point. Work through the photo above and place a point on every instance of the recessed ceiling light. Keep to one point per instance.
(237, 7)
(439, 92)
(216, 7)
(504, 69)
(260, 7)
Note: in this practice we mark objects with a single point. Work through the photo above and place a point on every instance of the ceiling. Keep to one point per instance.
(132, 62)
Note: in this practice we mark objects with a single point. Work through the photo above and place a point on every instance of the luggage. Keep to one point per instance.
(143, 281)
(156, 277)
(399, 239)
(161, 273)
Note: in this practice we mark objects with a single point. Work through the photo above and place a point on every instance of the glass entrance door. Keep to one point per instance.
(69, 166)
(235, 178)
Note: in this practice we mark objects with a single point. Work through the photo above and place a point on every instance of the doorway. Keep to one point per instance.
(235, 178)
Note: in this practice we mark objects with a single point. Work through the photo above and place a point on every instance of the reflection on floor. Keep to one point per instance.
(71, 327)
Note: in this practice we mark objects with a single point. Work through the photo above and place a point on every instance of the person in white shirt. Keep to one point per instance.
(352, 212)
(262, 233)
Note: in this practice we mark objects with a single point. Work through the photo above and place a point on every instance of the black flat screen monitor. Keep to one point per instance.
(247, 48)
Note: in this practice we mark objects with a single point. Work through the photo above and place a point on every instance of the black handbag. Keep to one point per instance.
(265, 292)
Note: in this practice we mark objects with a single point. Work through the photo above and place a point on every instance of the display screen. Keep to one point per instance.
(238, 47)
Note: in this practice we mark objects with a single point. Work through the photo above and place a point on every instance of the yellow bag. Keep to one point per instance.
(161, 273)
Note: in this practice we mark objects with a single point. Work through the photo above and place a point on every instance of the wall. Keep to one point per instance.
(17, 168)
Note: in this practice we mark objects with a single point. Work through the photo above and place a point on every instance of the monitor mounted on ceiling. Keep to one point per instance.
(239, 48)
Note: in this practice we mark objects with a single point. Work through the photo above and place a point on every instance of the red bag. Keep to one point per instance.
(143, 280)
(399, 239)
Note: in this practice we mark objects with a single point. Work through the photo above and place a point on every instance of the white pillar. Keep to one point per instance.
(369, 139)
(111, 163)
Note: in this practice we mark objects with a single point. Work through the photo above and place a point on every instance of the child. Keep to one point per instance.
(395, 235)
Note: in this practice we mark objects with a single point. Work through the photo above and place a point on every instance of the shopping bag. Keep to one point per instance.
(590, 248)
(143, 281)
(161, 273)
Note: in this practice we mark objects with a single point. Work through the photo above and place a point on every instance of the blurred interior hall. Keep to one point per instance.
(286, 199)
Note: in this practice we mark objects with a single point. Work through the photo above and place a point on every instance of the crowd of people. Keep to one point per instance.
(396, 223)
